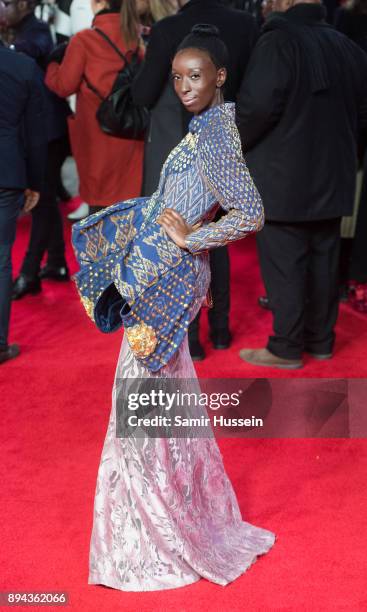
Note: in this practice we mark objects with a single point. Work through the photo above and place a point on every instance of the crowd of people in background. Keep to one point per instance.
(298, 73)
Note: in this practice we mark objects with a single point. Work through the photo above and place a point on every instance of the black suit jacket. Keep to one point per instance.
(302, 100)
(237, 28)
(33, 37)
(23, 141)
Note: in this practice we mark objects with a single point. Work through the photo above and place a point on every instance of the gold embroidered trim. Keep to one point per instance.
(142, 339)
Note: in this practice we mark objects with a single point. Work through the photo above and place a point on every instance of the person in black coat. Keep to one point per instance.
(299, 109)
(169, 123)
(23, 149)
(352, 21)
(32, 37)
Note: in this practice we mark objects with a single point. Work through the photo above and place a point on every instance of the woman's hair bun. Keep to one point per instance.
(206, 37)
(205, 29)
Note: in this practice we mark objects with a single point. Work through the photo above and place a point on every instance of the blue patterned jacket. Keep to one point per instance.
(132, 273)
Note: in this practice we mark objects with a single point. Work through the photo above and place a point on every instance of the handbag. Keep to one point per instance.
(117, 114)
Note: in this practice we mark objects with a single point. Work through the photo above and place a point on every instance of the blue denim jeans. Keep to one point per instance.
(11, 202)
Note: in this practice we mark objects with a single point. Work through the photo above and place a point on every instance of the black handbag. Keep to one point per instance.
(117, 114)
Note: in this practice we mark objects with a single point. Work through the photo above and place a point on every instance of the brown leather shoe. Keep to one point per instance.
(263, 357)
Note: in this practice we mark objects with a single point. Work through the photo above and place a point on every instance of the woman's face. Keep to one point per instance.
(98, 5)
(197, 80)
(142, 7)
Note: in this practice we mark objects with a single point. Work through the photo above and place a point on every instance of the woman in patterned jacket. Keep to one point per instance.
(165, 513)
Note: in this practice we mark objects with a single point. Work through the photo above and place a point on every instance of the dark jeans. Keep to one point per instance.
(299, 265)
(47, 228)
(219, 286)
(11, 202)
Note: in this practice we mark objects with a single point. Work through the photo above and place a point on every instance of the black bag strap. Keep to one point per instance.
(112, 44)
(92, 88)
(115, 48)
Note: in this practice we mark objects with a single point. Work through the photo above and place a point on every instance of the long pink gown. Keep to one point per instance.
(165, 512)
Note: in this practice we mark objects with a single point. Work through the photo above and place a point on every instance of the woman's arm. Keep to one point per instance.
(226, 175)
(65, 78)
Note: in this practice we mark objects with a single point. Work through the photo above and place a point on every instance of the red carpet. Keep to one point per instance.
(56, 402)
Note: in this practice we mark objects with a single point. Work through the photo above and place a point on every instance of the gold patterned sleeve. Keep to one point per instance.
(224, 170)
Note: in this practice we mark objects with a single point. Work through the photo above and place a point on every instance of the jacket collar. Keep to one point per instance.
(193, 3)
(198, 121)
(105, 15)
(27, 22)
(306, 14)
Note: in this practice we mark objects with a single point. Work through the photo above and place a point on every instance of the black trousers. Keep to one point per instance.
(299, 265)
(358, 260)
(220, 290)
(47, 228)
(11, 202)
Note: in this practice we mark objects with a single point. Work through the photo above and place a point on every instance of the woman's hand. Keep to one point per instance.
(175, 226)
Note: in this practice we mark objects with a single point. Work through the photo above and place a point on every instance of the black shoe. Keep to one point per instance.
(24, 285)
(196, 350)
(263, 301)
(9, 352)
(319, 356)
(60, 273)
(221, 338)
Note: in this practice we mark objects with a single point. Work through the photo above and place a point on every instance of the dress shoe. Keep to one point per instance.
(60, 273)
(319, 356)
(24, 285)
(196, 350)
(263, 301)
(221, 338)
(80, 213)
(11, 351)
(263, 357)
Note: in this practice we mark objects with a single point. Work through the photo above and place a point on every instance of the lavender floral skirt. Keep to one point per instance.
(165, 513)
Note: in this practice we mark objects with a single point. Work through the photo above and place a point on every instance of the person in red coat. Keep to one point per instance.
(110, 169)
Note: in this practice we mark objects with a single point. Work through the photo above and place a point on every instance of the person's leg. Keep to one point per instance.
(220, 289)
(28, 280)
(346, 246)
(322, 288)
(196, 349)
(10, 204)
(5, 292)
(45, 217)
(219, 314)
(283, 250)
(56, 246)
(358, 262)
(41, 220)
(56, 267)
